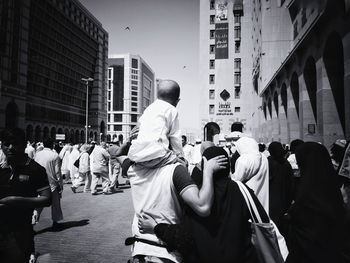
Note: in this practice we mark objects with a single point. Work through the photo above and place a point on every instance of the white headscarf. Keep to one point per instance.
(252, 168)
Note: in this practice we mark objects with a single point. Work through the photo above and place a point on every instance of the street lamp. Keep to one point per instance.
(87, 106)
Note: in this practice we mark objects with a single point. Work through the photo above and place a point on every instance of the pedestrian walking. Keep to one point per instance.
(99, 160)
(49, 159)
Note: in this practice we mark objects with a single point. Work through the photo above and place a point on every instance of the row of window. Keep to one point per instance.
(118, 127)
(212, 109)
(236, 79)
(237, 48)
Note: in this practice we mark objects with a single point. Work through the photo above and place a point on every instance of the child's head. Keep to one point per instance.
(169, 91)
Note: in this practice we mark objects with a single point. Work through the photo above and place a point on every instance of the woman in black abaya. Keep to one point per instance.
(317, 216)
(280, 184)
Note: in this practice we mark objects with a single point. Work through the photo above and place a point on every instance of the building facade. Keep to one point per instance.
(131, 88)
(225, 66)
(46, 48)
(305, 94)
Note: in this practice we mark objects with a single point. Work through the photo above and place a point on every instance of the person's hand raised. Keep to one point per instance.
(215, 164)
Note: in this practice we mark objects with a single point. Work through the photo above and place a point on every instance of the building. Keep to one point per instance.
(225, 66)
(46, 48)
(131, 88)
(303, 94)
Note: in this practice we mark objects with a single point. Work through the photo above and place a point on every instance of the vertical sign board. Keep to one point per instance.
(221, 41)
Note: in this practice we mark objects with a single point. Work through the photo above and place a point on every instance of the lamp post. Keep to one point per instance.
(87, 106)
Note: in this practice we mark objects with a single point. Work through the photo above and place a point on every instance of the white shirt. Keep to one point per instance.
(152, 190)
(49, 159)
(159, 128)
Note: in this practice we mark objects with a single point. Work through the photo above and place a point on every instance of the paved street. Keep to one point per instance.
(94, 229)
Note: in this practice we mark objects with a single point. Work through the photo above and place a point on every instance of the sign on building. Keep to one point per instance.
(221, 41)
(60, 137)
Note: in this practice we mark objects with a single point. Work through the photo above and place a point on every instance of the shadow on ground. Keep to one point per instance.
(63, 226)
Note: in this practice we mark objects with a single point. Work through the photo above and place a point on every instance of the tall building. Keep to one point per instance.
(303, 91)
(46, 48)
(225, 66)
(131, 88)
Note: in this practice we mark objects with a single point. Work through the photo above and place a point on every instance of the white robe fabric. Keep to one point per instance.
(252, 168)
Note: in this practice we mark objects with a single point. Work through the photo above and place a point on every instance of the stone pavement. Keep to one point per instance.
(94, 229)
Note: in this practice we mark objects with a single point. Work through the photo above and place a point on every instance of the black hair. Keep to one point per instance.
(13, 136)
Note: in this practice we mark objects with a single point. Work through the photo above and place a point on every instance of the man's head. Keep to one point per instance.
(48, 143)
(13, 144)
(169, 91)
(184, 140)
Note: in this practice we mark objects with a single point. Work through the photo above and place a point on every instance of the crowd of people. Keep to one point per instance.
(32, 176)
(188, 199)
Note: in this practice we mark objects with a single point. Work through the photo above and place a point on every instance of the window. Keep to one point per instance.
(134, 104)
(237, 47)
(109, 73)
(109, 106)
(118, 127)
(108, 127)
(133, 117)
(212, 64)
(237, 79)
(237, 93)
(211, 109)
(237, 19)
(212, 4)
(109, 84)
(212, 19)
(133, 109)
(237, 64)
(134, 63)
(118, 117)
(109, 117)
(134, 98)
(211, 94)
(212, 34)
(109, 95)
(237, 109)
(134, 82)
(237, 32)
(212, 49)
(134, 93)
(211, 79)
(134, 88)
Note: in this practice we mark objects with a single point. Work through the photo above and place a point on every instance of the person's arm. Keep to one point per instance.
(201, 200)
(44, 199)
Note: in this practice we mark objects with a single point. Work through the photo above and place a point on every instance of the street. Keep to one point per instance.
(94, 229)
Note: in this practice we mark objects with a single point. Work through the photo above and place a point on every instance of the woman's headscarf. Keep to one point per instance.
(317, 216)
(277, 152)
(223, 236)
(252, 168)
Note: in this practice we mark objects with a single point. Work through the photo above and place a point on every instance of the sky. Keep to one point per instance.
(165, 33)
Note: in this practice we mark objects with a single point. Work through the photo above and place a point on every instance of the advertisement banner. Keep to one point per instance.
(221, 41)
(221, 11)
